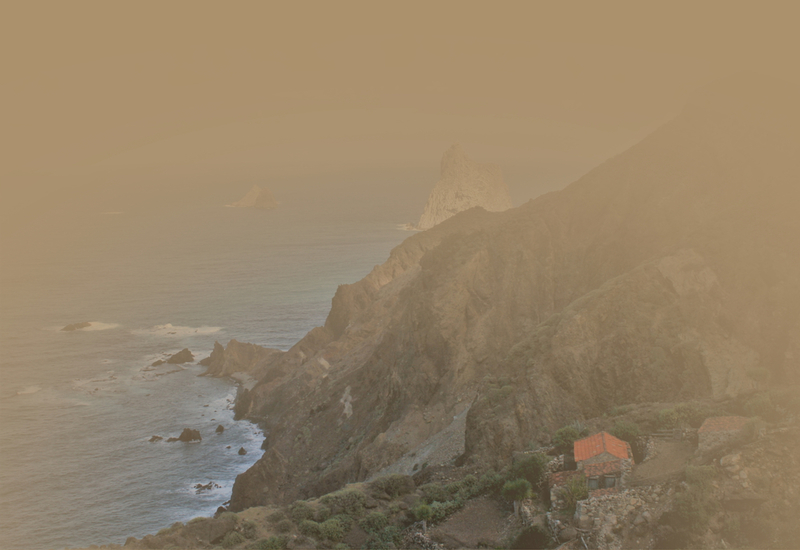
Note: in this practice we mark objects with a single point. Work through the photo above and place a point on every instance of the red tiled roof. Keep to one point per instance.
(596, 444)
(723, 424)
(559, 478)
(603, 468)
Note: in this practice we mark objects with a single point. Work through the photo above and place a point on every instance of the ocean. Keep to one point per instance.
(78, 409)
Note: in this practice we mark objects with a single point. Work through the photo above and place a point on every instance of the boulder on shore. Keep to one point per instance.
(77, 326)
(183, 356)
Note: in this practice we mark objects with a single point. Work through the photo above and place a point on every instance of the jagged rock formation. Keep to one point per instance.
(464, 184)
(246, 359)
(669, 272)
(256, 198)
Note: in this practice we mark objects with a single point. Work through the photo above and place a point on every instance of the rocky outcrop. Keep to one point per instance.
(183, 356)
(249, 359)
(256, 198)
(654, 277)
(187, 435)
(464, 184)
(76, 326)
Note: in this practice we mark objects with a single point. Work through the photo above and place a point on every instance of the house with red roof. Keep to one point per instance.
(719, 430)
(605, 460)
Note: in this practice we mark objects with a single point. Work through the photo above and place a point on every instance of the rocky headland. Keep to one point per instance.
(653, 277)
(661, 288)
(463, 184)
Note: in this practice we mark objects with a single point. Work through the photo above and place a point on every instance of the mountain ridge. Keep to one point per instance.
(669, 233)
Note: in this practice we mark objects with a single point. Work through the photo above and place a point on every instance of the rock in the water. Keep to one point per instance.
(186, 436)
(158, 363)
(77, 326)
(205, 362)
(183, 356)
(155, 438)
(220, 429)
(464, 184)
(257, 198)
(242, 451)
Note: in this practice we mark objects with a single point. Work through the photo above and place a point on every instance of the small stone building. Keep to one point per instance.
(719, 430)
(605, 460)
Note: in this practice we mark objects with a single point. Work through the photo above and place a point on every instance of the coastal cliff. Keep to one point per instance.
(653, 277)
(464, 184)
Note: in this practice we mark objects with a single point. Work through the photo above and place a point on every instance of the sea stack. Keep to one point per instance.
(257, 198)
(463, 184)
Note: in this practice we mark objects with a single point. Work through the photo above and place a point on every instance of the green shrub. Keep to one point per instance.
(575, 489)
(271, 543)
(565, 437)
(530, 467)
(394, 485)
(230, 516)
(346, 501)
(310, 528)
(323, 513)
(284, 526)
(276, 516)
(345, 520)
(440, 510)
(667, 418)
(421, 512)
(301, 510)
(374, 522)
(249, 529)
(433, 492)
(626, 431)
(491, 482)
(232, 539)
(332, 530)
(517, 489)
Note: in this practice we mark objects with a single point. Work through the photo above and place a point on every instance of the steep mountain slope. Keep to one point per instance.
(464, 184)
(670, 271)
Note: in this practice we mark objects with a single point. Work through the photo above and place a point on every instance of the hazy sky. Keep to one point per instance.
(226, 94)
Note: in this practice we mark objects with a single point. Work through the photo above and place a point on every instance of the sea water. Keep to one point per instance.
(78, 408)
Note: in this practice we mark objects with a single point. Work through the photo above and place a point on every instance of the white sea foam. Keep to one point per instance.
(29, 390)
(96, 325)
(170, 330)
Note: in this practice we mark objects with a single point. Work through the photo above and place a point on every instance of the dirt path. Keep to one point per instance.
(671, 456)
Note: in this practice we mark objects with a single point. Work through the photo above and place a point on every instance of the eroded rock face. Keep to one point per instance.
(238, 357)
(464, 184)
(653, 275)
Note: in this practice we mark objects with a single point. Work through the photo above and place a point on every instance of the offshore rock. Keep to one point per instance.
(76, 326)
(187, 435)
(256, 198)
(464, 184)
(183, 356)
